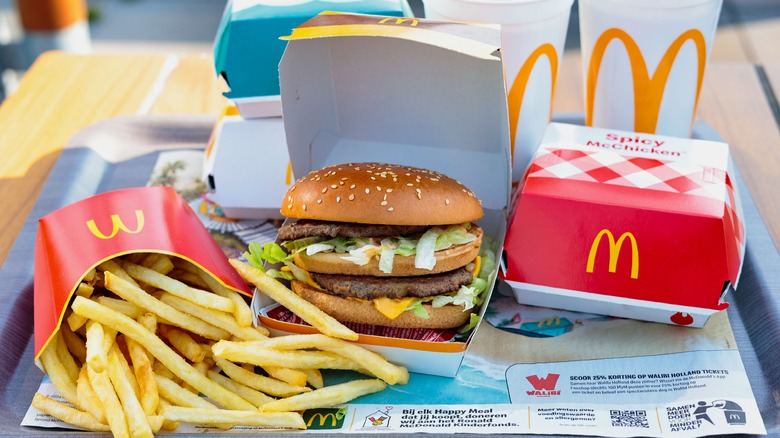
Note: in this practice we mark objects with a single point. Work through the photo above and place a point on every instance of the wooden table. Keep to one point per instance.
(62, 93)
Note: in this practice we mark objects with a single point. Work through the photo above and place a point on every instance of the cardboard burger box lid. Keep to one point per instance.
(247, 48)
(625, 224)
(430, 94)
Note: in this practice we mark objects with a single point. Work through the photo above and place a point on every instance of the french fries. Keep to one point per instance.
(284, 296)
(138, 347)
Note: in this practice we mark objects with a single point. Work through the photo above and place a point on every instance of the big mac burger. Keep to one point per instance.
(386, 245)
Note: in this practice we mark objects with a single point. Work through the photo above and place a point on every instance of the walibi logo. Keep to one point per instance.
(543, 386)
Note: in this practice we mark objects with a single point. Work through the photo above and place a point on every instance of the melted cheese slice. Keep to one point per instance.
(391, 308)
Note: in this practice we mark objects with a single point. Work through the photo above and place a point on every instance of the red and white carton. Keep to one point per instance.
(75, 239)
(625, 224)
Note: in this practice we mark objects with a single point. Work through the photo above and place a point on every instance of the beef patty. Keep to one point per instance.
(312, 228)
(367, 287)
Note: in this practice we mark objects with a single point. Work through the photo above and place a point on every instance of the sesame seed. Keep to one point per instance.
(390, 209)
(344, 179)
(338, 198)
(389, 190)
(368, 191)
(383, 203)
(304, 207)
(334, 186)
(351, 196)
(319, 201)
(447, 202)
(289, 205)
(378, 189)
(324, 189)
(352, 186)
(373, 178)
(384, 197)
(409, 185)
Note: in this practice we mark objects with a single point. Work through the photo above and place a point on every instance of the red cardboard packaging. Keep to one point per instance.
(624, 224)
(75, 239)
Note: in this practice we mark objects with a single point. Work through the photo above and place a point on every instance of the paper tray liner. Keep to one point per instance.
(76, 238)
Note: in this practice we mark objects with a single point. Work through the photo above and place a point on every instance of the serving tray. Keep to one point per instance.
(122, 153)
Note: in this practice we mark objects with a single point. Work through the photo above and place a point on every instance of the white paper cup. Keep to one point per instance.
(533, 33)
(643, 62)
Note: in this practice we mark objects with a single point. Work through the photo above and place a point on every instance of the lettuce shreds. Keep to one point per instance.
(387, 256)
(426, 247)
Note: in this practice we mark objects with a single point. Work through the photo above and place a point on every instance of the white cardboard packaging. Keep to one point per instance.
(405, 91)
(247, 167)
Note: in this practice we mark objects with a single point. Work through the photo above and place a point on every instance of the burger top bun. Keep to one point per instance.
(376, 193)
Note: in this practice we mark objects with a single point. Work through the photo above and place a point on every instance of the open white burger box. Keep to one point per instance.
(633, 225)
(359, 88)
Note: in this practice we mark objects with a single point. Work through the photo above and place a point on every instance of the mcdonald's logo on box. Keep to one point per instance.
(626, 224)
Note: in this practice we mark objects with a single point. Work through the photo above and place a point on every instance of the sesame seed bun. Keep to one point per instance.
(446, 260)
(363, 311)
(375, 193)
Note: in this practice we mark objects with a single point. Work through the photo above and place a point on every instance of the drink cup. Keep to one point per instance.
(643, 62)
(533, 33)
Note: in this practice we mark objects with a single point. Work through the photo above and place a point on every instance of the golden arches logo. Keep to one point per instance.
(322, 419)
(614, 251)
(400, 20)
(648, 91)
(517, 90)
(117, 225)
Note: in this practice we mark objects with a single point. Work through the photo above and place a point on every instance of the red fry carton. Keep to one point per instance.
(74, 239)
(625, 224)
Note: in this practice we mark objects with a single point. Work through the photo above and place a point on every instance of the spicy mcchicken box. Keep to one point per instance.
(626, 224)
(73, 240)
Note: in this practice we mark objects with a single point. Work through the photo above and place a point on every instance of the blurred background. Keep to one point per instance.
(749, 30)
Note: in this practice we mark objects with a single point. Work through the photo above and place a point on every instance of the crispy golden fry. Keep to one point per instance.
(111, 405)
(149, 321)
(125, 367)
(328, 396)
(97, 353)
(314, 378)
(85, 290)
(114, 267)
(58, 374)
(65, 357)
(184, 343)
(89, 276)
(220, 319)
(178, 395)
(261, 383)
(242, 312)
(75, 322)
(289, 299)
(122, 306)
(289, 375)
(162, 370)
(155, 422)
(68, 414)
(372, 362)
(167, 424)
(188, 278)
(247, 352)
(166, 312)
(142, 368)
(285, 420)
(168, 284)
(162, 352)
(157, 262)
(253, 396)
(136, 417)
(75, 344)
(88, 400)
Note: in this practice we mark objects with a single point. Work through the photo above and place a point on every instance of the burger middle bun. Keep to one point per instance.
(364, 312)
(448, 259)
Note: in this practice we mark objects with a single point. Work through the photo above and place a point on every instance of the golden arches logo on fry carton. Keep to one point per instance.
(73, 240)
(648, 90)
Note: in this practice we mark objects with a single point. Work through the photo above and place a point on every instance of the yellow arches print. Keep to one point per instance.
(519, 85)
(648, 91)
